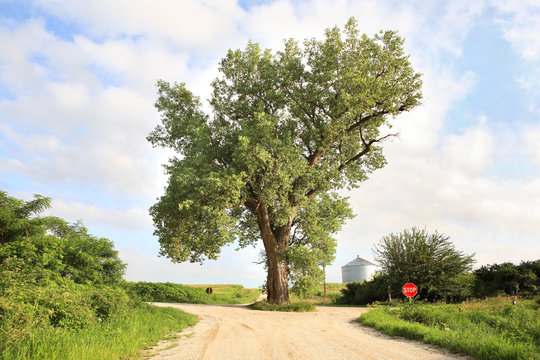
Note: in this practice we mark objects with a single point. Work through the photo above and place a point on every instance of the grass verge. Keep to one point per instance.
(117, 338)
(490, 329)
(293, 307)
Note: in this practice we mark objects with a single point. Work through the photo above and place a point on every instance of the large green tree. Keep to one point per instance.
(287, 131)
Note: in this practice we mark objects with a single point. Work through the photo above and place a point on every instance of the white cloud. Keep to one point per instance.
(520, 23)
(233, 267)
(532, 143)
(123, 218)
(190, 25)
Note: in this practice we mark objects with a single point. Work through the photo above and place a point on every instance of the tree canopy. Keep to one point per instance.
(288, 130)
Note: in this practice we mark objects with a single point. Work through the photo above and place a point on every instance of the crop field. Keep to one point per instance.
(488, 329)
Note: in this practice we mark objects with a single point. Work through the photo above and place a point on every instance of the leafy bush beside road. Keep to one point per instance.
(61, 295)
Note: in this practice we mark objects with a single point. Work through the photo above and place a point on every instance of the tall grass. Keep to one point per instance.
(490, 329)
(117, 338)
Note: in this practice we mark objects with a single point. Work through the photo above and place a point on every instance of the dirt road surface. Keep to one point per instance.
(229, 332)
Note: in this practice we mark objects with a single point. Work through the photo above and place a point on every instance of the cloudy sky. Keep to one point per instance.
(77, 88)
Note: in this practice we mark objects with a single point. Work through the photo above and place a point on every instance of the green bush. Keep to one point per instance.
(60, 293)
(66, 308)
(107, 302)
(509, 279)
(168, 292)
(363, 293)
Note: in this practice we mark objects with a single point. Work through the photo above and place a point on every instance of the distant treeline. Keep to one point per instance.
(488, 280)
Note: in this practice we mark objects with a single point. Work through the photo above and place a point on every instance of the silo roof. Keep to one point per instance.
(359, 262)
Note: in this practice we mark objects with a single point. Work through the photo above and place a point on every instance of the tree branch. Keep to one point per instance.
(367, 148)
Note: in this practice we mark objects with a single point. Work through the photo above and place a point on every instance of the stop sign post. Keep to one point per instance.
(410, 290)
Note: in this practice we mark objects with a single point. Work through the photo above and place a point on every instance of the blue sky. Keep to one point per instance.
(77, 87)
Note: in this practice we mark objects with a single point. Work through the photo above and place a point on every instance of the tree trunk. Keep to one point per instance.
(277, 284)
(275, 242)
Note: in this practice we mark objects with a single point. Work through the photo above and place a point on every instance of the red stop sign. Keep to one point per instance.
(410, 290)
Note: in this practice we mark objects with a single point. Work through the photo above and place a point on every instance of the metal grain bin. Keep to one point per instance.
(358, 270)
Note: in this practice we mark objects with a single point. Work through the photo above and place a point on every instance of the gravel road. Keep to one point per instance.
(228, 332)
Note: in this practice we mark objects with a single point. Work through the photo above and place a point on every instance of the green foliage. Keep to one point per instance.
(288, 130)
(87, 259)
(430, 261)
(523, 279)
(119, 338)
(53, 275)
(60, 294)
(31, 308)
(17, 217)
(53, 247)
(363, 293)
(492, 329)
(486, 281)
(312, 248)
(292, 307)
(168, 292)
(178, 293)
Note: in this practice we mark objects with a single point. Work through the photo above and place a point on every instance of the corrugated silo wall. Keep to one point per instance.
(357, 273)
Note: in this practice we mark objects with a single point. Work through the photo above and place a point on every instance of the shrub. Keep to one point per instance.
(509, 279)
(66, 308)
(168, 292)
(363, 293)
(107, 302)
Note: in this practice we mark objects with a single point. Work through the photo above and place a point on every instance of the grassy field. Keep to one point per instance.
(118, 338)
(229, 293)
(193, 294)
(333, 290)
(486, 329)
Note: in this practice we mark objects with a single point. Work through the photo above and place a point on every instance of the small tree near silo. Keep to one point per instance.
(428, 260)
